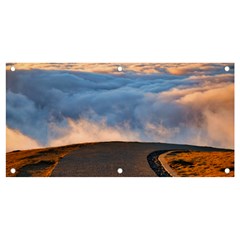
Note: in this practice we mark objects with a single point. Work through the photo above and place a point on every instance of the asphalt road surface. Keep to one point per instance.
(105, 158)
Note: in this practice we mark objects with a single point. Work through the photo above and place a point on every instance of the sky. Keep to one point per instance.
(54, 104)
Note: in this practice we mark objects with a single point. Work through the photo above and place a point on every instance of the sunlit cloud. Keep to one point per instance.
(83, 130)
(139, 68)
(57, 104)
(18, 141)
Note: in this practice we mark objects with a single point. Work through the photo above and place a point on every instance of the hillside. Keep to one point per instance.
(98, 159)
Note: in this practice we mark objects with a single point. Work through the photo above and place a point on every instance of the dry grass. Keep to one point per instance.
(41, 162)
(201, 164)
(36, 162)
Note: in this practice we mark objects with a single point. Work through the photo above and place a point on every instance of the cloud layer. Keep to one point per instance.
(18, 141)
(57, 104)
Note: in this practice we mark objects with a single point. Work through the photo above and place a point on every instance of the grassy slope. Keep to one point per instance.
(36, 162)
(207, 164)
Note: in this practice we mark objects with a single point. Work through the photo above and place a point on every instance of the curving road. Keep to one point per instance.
(103, 159)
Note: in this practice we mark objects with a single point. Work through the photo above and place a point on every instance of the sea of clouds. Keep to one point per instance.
(60, 104)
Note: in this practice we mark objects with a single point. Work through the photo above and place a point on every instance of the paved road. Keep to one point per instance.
(103, 159)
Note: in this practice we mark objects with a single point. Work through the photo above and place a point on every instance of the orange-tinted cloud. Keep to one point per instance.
(177, 69)
(192, 68)
(83, 130)
(112, 68)
(18, 141)
(211, 99)
(146, 68)
(217, 108)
